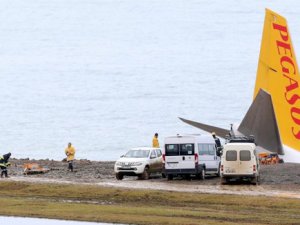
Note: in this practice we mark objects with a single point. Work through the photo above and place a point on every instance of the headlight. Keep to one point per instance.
(118, 163)
(137, 163)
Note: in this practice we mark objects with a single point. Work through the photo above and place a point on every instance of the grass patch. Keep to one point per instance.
(94, 203)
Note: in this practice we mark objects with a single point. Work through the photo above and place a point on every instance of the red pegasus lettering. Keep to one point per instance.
(283, 31)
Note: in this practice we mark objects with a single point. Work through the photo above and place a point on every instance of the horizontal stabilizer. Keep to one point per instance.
(260, 121)
(219, 131)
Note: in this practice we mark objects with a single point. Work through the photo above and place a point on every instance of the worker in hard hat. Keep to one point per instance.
(70, 152)
(4, 164)
(155, 143)
(218, 144)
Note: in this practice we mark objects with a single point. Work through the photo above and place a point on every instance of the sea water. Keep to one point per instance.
(107, 74)
(34, 221)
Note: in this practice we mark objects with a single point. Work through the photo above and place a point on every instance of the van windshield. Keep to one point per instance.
(137, 154)
(231, 155)
(179, 149)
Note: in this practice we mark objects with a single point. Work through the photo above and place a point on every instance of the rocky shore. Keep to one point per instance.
(84, 170)
(282, 176)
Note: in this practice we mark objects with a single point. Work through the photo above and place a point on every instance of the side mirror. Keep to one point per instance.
(121, 156)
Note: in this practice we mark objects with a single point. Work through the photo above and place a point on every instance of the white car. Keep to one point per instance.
(139, 162)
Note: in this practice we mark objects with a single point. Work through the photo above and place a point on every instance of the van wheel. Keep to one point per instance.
(163, 175)
(145, 174)
(170, 177)
(219, 171)
(187, 176)
(202, 174)
(258, 180)
(255, 180)
(119, 176)
(223, 180)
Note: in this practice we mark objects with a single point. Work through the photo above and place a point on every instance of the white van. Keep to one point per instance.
(185, 155)
(239, 161)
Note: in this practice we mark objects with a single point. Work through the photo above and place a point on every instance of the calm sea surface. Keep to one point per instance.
(107, 74)
(34, 221)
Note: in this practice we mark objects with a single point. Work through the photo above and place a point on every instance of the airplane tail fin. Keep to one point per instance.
(278, 76)
(260, 121)
(274, 116)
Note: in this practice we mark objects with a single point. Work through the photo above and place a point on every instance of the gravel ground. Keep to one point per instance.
(284, 176)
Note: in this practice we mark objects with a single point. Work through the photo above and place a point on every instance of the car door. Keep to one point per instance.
(153, 161)
(159, 160)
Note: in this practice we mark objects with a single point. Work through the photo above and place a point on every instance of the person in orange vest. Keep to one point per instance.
(155, 143)
(70, 153)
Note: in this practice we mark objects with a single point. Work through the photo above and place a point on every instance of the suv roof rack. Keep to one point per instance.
(240, 139)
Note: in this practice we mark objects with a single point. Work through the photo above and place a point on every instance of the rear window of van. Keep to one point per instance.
(172, 150)
(187, 149)
(179, 149)
(231, 155)
(245, 155)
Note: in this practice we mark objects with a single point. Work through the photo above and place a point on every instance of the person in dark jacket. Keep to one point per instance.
(218, 144)
(4, 164)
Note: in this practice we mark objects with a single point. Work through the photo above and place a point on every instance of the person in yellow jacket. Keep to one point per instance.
(155, 143)
(70, 152)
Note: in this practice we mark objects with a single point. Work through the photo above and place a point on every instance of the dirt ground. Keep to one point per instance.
(280, 180)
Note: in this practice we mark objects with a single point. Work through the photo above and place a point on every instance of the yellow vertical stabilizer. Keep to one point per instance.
(278, 75)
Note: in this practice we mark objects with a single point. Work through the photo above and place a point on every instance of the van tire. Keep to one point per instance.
(258, 180)
(202, 175)
(119, 176)
(255, 180)
(145, 175)
(219, 171)
(223, 180)
(170, 177)
(187, 177)
(163, 175)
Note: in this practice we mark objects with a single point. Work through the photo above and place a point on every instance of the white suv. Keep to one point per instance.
(139, 162)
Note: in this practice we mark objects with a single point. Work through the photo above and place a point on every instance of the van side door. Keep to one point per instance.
(208, 156)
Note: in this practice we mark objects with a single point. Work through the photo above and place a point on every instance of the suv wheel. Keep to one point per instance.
(119, 176)
(145, 174)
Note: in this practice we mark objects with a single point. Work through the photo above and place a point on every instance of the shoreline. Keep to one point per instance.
(276, 180)
(92, 193)
(141, 206)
